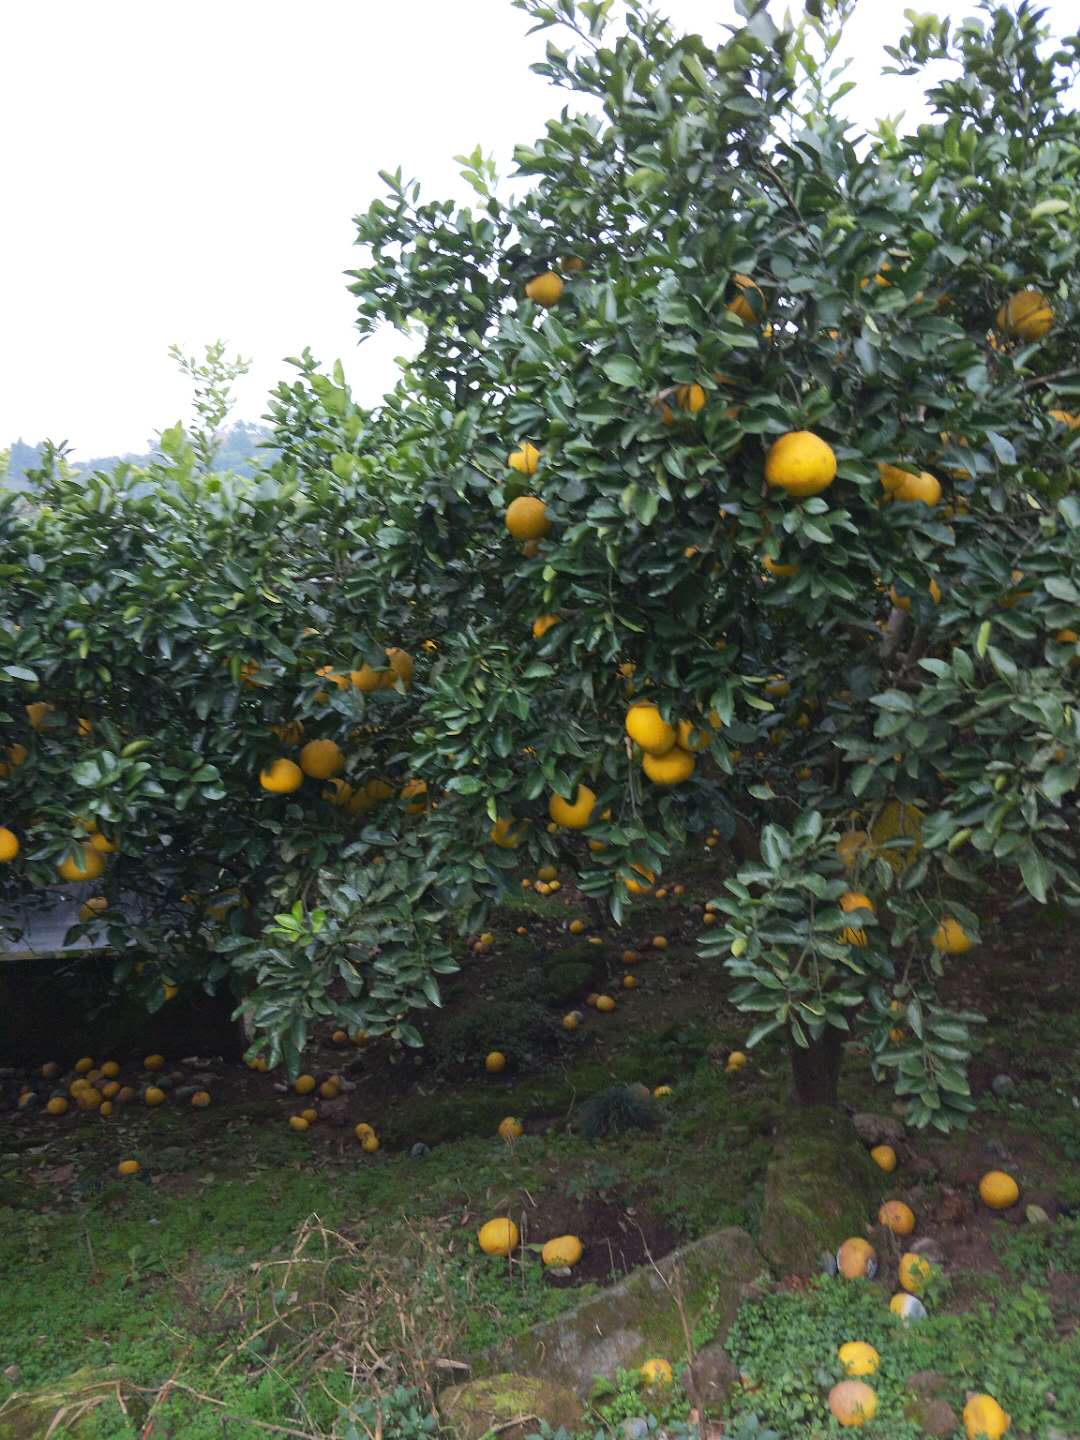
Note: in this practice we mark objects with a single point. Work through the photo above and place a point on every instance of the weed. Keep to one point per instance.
(616, 1110)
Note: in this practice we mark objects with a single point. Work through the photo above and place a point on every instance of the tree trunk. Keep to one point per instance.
(816, 1070)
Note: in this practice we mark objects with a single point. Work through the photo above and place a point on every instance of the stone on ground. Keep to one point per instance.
(638, 1318)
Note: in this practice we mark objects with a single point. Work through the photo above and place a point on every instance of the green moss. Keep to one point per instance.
(820, 1188)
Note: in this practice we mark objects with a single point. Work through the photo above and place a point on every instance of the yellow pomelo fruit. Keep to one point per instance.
(281, 777)
(503, 833)
(564, 1251)
(691, 398)
(414, 796)
(914, 1271)
(576, 815)
(852, 1403)
(128, 1167)
(673, 768)
(853, 900)
(495, 1062)
(747, 303)
(498, 1237)
(87, 865)
(858, 1358)
(984, 1419)
(9, 845)
(801, 463)
(647, 728)
(321, 759)
(366, 679)
(545, 289)
(998, 1190)
(897, 1217)
(898, 822)
(511, 1129)
(524, 459)
(657, 1372)
(775, 568)
(884, 1157)
(849, 845)
(951, 938)
(692, 737)
(855, 1258)
(401, 667)
(1027, 316)
(923, 488)
(526, 518)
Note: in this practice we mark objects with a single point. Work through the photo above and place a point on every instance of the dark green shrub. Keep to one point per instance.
(618, 1109)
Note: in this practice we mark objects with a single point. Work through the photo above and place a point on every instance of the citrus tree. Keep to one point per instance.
(731, 486)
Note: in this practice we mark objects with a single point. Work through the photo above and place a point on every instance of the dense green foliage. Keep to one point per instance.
(879, 264)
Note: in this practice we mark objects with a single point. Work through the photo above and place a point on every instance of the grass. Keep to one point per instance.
(286, 1281)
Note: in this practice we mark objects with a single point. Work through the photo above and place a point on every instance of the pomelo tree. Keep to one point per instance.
(732, 485)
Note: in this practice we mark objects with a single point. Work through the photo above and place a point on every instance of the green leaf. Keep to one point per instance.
(624, 371)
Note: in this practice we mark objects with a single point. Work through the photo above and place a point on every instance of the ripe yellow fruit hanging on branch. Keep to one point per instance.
(281, 777)
(576, 815)
(527, 518)
(746, 302)
(545, 289)
(801, 463)
(87, 865)
(1027, 316)
(951, 938)
(524, 459)
(321, 759)
(648, 728)
(671, 768)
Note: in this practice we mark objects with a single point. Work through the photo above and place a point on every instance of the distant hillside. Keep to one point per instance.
(238, 449)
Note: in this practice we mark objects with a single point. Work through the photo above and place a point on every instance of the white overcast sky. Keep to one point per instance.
(181, 170)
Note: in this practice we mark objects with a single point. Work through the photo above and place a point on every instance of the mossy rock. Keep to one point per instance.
(65, 1408)
(479, 1406)
(820, 1188)
(626, 1324)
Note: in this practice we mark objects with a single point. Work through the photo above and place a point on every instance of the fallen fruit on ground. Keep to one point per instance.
(857, 1259)
(498, 1237)
(852, 1403)
(897, 1217)
(914, 1273)
(657, 1373)
(858, 1358)
(984, 1419)
(563, 1252)
(998, 1190)
(884, 1156)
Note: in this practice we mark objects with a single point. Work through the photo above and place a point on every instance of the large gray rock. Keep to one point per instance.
(514, 1403)
(638, 1318)
(820, 1189)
